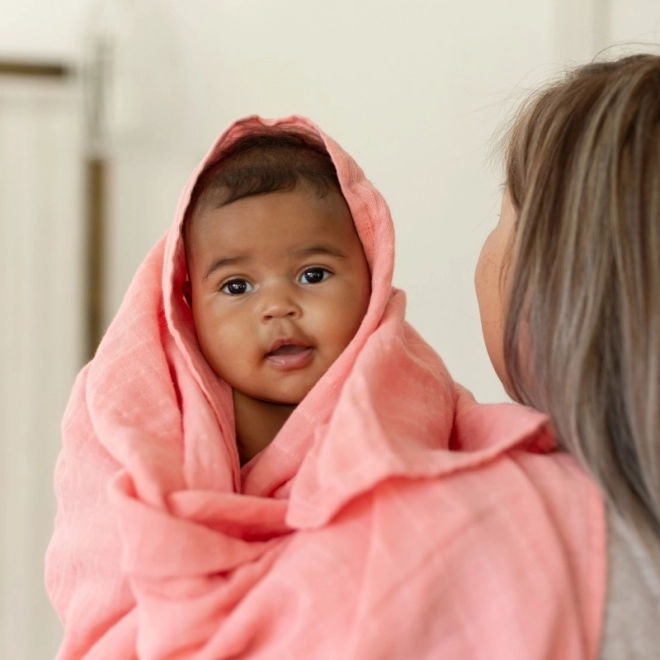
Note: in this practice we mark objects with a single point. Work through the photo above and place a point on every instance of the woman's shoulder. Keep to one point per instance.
(518, 542)
(632, 610)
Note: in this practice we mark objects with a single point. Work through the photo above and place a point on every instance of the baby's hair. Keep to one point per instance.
(582, 332)
(264, 162)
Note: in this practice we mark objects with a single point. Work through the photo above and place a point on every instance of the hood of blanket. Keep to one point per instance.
(370, 214)
(375, 229)
(386, 408)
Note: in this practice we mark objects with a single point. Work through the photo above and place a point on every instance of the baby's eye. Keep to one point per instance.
(314, 275)
(237, 287)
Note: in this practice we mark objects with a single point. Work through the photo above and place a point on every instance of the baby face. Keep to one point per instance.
(279, 285)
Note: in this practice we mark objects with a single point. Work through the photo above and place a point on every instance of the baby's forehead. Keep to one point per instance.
(265, 162)
(302, 207)
(261, 164)
(309, 194)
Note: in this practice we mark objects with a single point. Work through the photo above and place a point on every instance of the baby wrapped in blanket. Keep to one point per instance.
(265, 460)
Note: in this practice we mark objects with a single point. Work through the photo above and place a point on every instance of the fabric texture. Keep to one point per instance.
(632, 611)
(392, 517)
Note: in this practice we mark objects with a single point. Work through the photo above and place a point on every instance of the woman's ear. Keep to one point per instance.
(187, 292)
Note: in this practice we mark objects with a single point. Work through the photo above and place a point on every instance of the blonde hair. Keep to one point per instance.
(582, 331)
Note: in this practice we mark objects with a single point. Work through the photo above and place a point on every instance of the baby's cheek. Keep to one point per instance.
(343, 334)
(221, 334)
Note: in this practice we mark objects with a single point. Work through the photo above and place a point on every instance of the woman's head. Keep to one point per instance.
(580, 283)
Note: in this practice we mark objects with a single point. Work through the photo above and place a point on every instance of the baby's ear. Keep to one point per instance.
(187, 292)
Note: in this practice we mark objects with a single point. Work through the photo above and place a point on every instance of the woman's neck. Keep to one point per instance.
(257, 424)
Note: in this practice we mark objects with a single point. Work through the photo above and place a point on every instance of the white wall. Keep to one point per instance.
(635, 21)
(40, 28)
(40, 339)
(413, 90)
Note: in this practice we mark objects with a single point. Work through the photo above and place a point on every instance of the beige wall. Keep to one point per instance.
(413, 90)
(40, 339)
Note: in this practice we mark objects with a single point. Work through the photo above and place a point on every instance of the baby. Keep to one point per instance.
(264, 460)
(278, 280)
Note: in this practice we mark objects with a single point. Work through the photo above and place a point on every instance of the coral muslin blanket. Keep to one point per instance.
(392, 517)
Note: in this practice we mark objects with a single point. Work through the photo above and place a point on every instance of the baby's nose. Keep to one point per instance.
(280, 303)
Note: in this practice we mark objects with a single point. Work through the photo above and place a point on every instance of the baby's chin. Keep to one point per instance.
(284, 400)
(291, 401)
(289, 394)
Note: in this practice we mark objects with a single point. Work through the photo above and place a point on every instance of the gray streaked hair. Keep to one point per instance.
(582, 330)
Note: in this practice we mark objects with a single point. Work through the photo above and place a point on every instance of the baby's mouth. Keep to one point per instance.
(289, 355)
(288, 349)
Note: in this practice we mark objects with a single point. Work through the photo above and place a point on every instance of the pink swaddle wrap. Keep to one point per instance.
(392, 517)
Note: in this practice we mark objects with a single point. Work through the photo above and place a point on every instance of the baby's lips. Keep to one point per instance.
(289, 349)
(291, 357)
(286, 343)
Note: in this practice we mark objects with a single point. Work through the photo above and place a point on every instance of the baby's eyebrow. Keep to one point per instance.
(223, 262)
(313, 250)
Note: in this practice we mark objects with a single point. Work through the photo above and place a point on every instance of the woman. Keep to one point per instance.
(569, 293)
